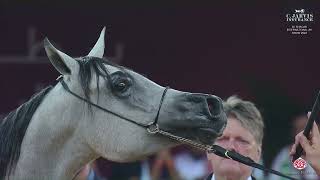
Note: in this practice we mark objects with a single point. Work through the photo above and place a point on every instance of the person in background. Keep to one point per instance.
(243, 134)
(125, 171)
(163, 167)
(191, 164)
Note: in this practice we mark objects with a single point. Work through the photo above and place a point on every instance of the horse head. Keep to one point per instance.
(132, 101)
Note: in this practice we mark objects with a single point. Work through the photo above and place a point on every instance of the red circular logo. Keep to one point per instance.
(300, 164)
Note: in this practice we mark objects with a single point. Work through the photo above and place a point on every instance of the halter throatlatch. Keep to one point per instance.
(153, 128)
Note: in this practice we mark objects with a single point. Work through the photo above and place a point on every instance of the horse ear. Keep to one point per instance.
(61, 61)
(98, 49)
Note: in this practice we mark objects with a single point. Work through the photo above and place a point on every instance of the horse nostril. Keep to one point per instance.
(214, 105)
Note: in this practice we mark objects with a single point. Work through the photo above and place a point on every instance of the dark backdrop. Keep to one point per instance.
(220, 49)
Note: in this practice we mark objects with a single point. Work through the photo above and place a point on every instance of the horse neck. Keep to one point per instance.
(53, 147)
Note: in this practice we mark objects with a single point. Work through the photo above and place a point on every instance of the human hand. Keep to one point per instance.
(310, 146)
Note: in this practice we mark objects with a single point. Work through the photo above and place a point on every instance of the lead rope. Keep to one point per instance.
(220, 151)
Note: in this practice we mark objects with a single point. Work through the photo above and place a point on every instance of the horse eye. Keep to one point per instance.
(121, 86)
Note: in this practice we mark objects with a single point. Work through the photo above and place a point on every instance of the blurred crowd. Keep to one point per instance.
(178, 163)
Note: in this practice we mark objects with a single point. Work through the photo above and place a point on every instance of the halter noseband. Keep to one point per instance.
(153, 128)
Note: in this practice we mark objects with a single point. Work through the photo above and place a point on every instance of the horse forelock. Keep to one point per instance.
(93, 66)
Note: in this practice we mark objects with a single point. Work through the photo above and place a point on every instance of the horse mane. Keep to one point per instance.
(13, 127)
(12, 131)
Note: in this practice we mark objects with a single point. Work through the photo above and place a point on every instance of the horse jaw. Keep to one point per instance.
(125, 143)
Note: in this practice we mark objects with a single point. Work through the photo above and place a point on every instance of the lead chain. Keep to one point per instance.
(185, 140)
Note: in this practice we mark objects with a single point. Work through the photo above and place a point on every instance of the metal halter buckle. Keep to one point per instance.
(59, 77)
(227, 155)
(153, 128)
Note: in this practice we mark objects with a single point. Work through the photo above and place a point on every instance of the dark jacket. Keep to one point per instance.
(210, 176)
(93, 176)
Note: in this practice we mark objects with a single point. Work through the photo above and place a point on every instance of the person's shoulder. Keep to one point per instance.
(209, 176)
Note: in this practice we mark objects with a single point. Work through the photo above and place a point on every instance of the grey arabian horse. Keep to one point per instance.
(99, 109)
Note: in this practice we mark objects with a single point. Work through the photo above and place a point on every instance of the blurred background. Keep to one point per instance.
(219, 49)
